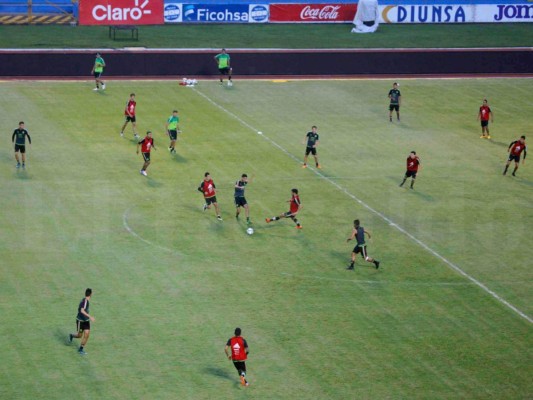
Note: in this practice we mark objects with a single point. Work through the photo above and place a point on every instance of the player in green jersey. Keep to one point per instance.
(223, 63)
(98, 70)
(173, 130)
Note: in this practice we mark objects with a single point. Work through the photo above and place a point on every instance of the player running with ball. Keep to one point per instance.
(358, 233)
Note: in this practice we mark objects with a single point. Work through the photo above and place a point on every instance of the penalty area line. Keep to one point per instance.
(136, 235)
(375, 212)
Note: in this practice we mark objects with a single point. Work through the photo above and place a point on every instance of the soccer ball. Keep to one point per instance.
(250, 231)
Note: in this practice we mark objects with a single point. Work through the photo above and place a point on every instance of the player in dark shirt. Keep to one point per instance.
(19, 140)
(312, 140)
(240, 200)
(484, 115)
(515, 150)
(412, 168)
(83, 322)
(395, 101)
(358, 233)
(146, 145)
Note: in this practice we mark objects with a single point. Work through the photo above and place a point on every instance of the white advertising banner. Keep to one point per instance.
(427, 14)
(455, 14)
(504, 13)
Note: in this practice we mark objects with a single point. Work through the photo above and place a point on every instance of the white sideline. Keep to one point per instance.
(383, 217)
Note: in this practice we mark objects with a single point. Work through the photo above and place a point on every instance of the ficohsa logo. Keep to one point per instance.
(110, 13)
(172, 12)
(188, 12)
(258, 13)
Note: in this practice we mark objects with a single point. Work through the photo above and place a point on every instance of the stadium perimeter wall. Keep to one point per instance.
(253, 63)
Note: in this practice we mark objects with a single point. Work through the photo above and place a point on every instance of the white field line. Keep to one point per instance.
(371, 282)
(135, 234)
(369, 208)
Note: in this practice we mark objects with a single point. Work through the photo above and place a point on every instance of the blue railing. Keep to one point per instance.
(37, 6)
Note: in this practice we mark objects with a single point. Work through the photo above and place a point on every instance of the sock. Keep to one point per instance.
(274, 218)
(404, 179)
(506, 168)
(514, 171)
(352, 264)
(81, 348)
(375, 262)
(247, 219)
(296, 222)
(412, 183)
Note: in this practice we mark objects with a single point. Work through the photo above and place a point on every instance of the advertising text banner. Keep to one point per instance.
(312, 13)
(121, 12)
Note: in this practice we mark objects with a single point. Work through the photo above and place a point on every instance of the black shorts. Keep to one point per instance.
(484, 123)
(240, 201)
(146, 157)
(311, 150)
(410, 174)
(240, 366)
(360, 249)
(173, 134)
(20, 147)
(210, 200)
(225, 70)
(97, 74)
(130, 119)
(83, 325)
(516, 159)
(394, 107)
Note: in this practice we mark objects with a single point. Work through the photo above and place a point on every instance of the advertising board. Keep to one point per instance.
(121, 12)
(216, 13)
(312, 13)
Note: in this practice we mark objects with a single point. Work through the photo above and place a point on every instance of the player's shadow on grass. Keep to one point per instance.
(502, 144)
(61, 336)
(219, 373)
(177, 158)
(22, 175)
(153, 183)
(415, 191)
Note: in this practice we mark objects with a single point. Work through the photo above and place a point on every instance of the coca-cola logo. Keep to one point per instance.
(324, 13)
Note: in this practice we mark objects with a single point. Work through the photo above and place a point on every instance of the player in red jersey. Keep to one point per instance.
(208, 188)
(147, 144)
(294, 209)
(412, 168)
(129, 113)
(515, 150)
(485, 114)
(239, 353)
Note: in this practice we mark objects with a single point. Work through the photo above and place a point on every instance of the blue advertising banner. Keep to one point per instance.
(216, 13)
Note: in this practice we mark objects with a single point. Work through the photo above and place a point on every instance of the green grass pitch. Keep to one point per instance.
(171, 282)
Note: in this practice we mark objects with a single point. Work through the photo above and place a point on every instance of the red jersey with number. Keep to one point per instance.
(484, 113)
(295, 203)
(130, 108)
(208, 188)
(146, 144)
(412, 164)
(238, 348)
(517, 148)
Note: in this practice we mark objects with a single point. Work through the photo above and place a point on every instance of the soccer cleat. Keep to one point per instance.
(299, 227)
(247, 384)
(23, 166)
(488, 137)
(390, 119)
(170, 149)
(18, 165)
(82, 352)
(121, 134)
(95, 89)
(267, 220)
(377, 264)
(219, 217)
(304, 166)
(513, 174)
(243, 381)
(230, 83)
(143, 172)
(350, 267)
(103, 86)
(205, 207)
(70, 337)
(318, 166)
(482, 137)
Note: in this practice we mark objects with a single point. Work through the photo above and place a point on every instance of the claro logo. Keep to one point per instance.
(110, 13)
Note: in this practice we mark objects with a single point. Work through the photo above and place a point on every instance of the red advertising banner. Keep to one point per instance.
(121, 12)
(312, 13)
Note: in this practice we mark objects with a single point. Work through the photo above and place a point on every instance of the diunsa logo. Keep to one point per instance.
(110, 13)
